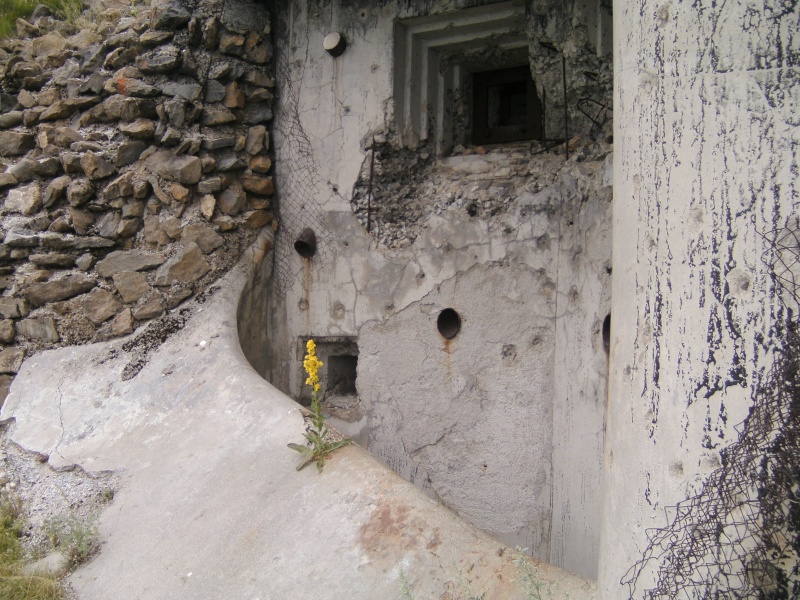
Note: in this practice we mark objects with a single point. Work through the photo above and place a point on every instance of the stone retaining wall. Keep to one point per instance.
(134, 166)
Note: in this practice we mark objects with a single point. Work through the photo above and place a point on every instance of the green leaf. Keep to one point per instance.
(298, 448)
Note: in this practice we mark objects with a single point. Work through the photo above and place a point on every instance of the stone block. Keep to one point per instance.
(187, 266)
(11, 360)
(131, 285)
(128, 260)
(206, 238)
(39, 294)
(182, 169)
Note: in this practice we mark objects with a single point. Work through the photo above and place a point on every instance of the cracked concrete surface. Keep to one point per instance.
(209, 504)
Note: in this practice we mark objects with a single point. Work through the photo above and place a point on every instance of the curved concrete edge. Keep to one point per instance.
(210, 504)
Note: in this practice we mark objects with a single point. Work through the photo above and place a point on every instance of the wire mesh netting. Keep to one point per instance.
(298, 206)
(739, 537)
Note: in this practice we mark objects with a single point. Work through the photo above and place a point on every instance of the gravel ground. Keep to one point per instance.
(48, 494)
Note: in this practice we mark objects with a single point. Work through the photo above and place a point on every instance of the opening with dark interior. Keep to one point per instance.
(448, 323)
(342, 374)
(506, 107)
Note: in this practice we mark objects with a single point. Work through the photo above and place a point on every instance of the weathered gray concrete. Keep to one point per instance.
(705, 169)
(210, 504)
(505, 424)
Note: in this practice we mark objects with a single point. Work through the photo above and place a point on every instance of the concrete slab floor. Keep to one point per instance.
(210, 504)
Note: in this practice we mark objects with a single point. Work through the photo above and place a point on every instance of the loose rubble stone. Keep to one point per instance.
(210, 185)
(131, 285)
(177, 295)
(257, 49)
(60, 110)
(153, 306)
(256, 219)
(120, 187)
(7, 331)
(256, 113)
(21, 239)
(133, 209)
(26, 200)
(129, 152)
(186, 170)
(255, 139)
(155, 38)
(63, 242)
(186, 267)
(140, 129)
(154, 234)
(11, 119)
(71, 162)
(100, 305)
(256, 184)
(128, 260)
(172, 227)
(95, 166)
(260, 164)
(169, 15)
(47, 167)
(52, 259)
(39, 294)
(14, 144)
(217, 115)
(219, 70)
(180, 193)
(141, 187)
(84, 262)
(108, 224)
(231, 43)
(188, 91)
(257, 94)
(230, 163)
(123, 323)
(234, 97)
(206, 238)
(161, 60)
(24, 170)
(79, 192)
(207, 205)
(81, 220)
(48, 44)
(13, 308)
(6, 180)
(215, 91)
(232, 201)
(26, 99)
(11, 360)
(42, 329)
(215, 142)
(259, 78)
(128, 227)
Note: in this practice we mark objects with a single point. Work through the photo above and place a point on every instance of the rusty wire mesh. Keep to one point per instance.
(298, 205)
(739, 537)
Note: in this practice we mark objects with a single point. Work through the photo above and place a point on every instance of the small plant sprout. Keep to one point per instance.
(318, 443)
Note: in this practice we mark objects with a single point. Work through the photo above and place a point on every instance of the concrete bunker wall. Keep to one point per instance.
(503, 423)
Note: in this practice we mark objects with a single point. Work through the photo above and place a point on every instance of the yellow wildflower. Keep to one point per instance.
(312, 364)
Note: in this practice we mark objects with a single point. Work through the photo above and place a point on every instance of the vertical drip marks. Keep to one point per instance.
(307, 292)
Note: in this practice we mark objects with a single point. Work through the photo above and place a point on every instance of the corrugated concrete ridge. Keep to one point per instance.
(210, 504)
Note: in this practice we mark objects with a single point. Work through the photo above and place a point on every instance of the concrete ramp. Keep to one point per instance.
(210, 504)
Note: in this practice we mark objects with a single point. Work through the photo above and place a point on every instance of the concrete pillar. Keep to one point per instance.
(705, 164)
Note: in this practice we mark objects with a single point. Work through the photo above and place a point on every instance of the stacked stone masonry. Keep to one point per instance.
(134, 167)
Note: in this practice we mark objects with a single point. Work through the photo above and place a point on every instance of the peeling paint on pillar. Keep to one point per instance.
(707, 160)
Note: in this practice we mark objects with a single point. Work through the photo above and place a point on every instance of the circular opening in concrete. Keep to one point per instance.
(607, 332)
(306, 243)
(448, 323)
